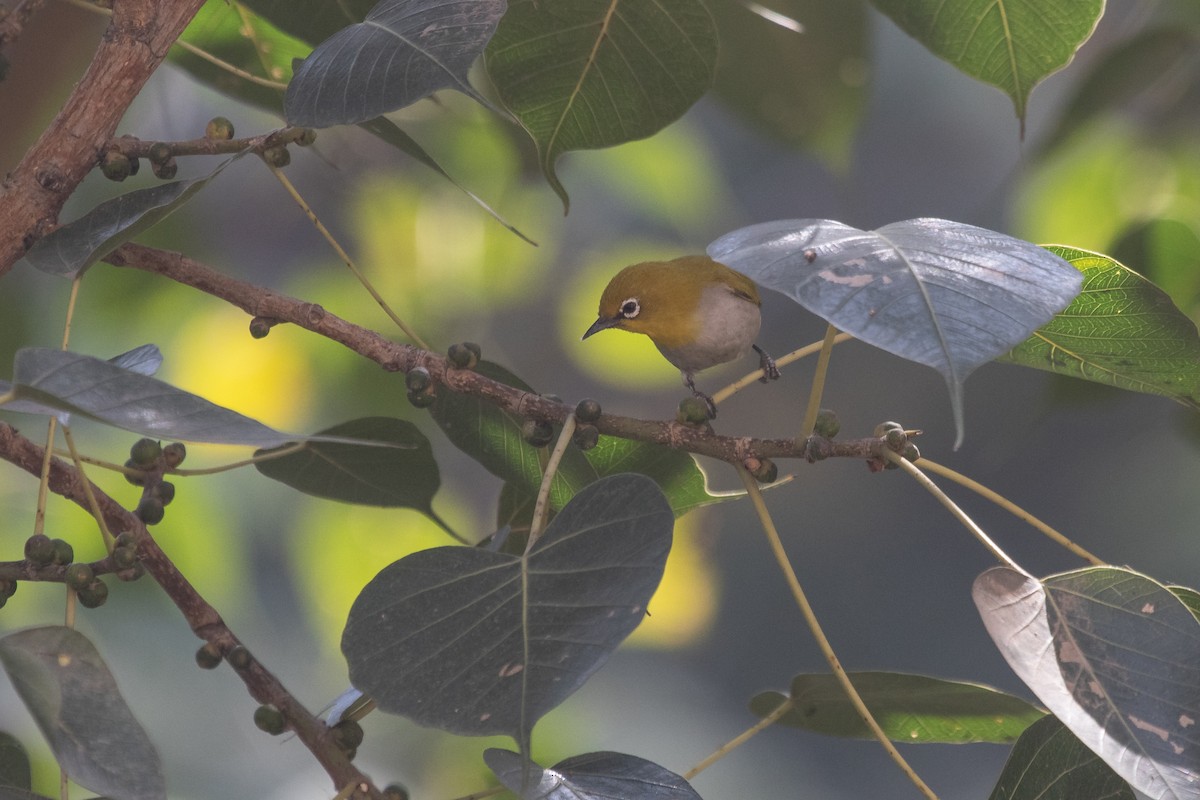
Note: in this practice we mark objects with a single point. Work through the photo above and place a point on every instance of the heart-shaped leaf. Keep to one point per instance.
(70, 383)
(75, 701)
(403, 51)
(592, 776)
(585, 74)
(402, 474)
(941, 293)
(910, 708)
(1121, 330)
(479, 643)
(1049, 763)
(69, 250)
(1116, 657)
(1012, 45)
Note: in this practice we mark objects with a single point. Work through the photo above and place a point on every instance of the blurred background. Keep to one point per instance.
(884, 131)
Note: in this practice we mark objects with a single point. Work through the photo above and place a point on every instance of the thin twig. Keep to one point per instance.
(739, 740)
(810, 617)
(751, 378)
(1010, 507)
(541, 508)
(923, 479)
(818, 384)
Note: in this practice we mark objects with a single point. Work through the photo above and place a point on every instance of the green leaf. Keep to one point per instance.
(69, 250)
(593, 776)
(675, 472)
(75, 701)
(585, 74)
(806, 89)
(266, 54)
(400, 474)
(910, 708)
(940, 293)
(1189, 597)
(311, 21)
(14, 764)
(478, 643)
(1116, 657)
(1010, 44)
(1121, 331)
(1049, 763)
(99, 390)
(402, 52)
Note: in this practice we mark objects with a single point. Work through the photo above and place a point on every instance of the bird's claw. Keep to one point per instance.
(767, 365)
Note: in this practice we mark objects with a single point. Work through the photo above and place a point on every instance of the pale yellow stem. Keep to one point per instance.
(818, 383)
(740, 739)
(541, 508)
(752, 377)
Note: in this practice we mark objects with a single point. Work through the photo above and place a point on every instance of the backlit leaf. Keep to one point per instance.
(593, 776)
(1012, 44)
(14, 764)
(941, 293)
(910, 708)
(478, 643)
(75, 701)
(1121, 330)
(1116, 657)
(1049, 763)
(402, 52)
(585, 74)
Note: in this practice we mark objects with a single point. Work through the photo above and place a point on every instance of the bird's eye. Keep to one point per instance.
(630, 308)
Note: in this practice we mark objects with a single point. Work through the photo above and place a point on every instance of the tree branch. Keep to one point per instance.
(204, 620)
(135, 43)
(270, 307)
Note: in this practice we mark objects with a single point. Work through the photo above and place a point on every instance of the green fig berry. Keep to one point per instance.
(164, 492)
(395, 791)
(587, 411)
(174, 454)
(422, 399)
(132, 573)
(277, 156)
(124, 557)
(347, 734)
(827, 424)
(159, 152)
(586, 437)
(239, 657)
(63, 552)
(692, 411)
(150, 510)
(145, 452)
(763, 469)
(269, 719)
(418, 379)
(218, 128)
(135, 165)
(115, 166)
(93, 595)
(537, 433)
(896, 438)
(461, 356)
(882, 428)
(39, 549)
(306, 137)
(125, 539)
(78, 575)
(137, 478)
(911, 452)
(260, 327)
(208, 656)
(8, 588)
(165, 170)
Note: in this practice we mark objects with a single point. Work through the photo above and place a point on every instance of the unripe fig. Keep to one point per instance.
(306, 137)
(63, 552)
(882, 428)
(145, 452)
(137, 480)
(692, 411)
(269, 719)
(150, 510)
(174, 454)
(586, 437)
(115, 166)
(896, 438)
(124, 557)
(537, 433)
(8, 588)
(218, 128)
(208, 656)
(422, 399)
(39, 549)
(164, 492)
(93, 595)
(239, 657)
(418, 379)
(587, 410)
(165, 170)
(462, 356)
(394, 791)
(159, 152)
(277, 156)
(827, 424)
(348, 734)
(79, 575)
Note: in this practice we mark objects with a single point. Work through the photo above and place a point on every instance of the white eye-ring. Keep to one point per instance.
(631, 308)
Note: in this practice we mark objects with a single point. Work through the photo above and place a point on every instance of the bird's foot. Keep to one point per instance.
(690, 383)
(767, 365)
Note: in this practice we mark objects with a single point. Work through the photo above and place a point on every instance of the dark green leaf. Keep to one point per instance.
(1189, 597)
(585, 74)
(99, 390)
(1011, 45)
(9, 793)
(492, 437)
(1049, 763)
(402, 474)
(806, 89)
(910, 708)
(478, 643)
(940, 293)
(75, 701)
(266, 53)
(1116, 657)
(14, 764)
(592, 776)
(1121, 330)
(675, 472)
(69, 250)
(403, 51)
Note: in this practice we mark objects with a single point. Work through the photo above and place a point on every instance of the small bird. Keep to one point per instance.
(698, 313)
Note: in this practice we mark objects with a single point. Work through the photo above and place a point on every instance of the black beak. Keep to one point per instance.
(602, 324)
